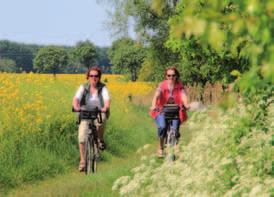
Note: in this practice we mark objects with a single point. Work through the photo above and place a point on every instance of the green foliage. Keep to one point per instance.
(50, 59)
(232, 29)
(146, 71)
(26, 156)
(85, 52)
(21, 54)
(102, 56)
(7, 65)
(126, 57)
(151, 27)
(206, 40)
(214, 38)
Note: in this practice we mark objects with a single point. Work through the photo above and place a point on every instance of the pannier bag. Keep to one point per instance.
(171, 111)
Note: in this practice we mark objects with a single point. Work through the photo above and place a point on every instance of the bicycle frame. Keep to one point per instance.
(171, 112)
(170, 140)
(91, 149)
(91, 146)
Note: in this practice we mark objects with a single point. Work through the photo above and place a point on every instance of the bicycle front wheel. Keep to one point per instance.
(171, 141)
(94, 156)
(88, 156)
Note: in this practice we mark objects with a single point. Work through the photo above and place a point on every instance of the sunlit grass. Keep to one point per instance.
(38, 134)
(222, 156)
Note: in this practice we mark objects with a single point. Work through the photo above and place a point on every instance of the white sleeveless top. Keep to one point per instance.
(93, 100)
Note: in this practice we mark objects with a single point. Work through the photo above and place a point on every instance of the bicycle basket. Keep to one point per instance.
(171, 111)
(88, 115)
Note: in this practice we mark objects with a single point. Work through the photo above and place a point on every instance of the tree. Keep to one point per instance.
(102, 59)
(50, 59)
(127, 57)
(150, 21)
(7, 65)
(85, 52)
(21, 54)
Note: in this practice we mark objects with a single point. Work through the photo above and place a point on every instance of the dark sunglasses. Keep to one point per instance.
(95, 76)
(171, 75)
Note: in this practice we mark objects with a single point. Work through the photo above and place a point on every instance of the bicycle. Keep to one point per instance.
(92, 150)
(171, 112)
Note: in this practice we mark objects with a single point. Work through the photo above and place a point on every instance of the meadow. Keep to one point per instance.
(222, 153)
(38, 131)
(222, 150)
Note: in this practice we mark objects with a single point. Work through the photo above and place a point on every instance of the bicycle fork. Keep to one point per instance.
(171, 142)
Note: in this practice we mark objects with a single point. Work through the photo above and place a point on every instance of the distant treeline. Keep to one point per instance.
(20, 57)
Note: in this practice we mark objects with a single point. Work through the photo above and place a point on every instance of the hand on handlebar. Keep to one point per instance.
(186, 107)
(86, 111)
(75, 109)
(153, 108)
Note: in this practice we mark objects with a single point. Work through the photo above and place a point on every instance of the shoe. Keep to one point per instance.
(82, 167)
(160, 153)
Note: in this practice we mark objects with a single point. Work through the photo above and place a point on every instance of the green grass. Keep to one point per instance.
(78, 184)
(31, 154)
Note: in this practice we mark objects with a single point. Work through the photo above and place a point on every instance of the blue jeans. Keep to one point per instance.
(162, 126)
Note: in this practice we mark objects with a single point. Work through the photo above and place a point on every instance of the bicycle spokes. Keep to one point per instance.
(171, 143)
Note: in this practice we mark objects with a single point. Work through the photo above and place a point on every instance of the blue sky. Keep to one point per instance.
(54, 21)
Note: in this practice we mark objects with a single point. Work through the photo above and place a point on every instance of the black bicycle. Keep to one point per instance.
(171, 112)
(92, 150)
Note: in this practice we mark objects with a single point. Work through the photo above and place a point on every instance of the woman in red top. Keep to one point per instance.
(170, 88)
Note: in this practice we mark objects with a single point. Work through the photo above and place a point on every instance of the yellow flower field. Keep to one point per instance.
(38, 133)
(26, 100)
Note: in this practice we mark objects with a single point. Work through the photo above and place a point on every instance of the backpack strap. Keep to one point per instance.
(85, 94)
(100, 87)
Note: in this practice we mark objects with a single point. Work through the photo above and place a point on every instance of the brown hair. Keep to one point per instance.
(175, 70)
(96, 68)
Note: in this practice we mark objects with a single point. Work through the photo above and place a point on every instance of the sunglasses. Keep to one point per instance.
(95, 76)
(171, 75)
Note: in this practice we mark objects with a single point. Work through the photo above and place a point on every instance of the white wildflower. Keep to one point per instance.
(120, 182)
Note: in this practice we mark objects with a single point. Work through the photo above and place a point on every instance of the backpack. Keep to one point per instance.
(86, 94)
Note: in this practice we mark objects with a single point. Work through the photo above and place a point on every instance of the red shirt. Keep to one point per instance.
(165, 94)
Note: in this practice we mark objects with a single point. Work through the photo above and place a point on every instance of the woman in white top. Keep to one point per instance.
(89, 96)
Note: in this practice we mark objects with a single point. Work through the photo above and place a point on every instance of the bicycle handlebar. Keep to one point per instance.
(90, 114)
(181, 108)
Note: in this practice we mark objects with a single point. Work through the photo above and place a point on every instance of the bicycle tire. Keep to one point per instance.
(94, 157)
(171, 142)
(88, 157)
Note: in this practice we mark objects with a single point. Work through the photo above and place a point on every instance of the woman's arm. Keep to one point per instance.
(76, 103)
(106, 105)
(154, 100)
(106, 98)
(76, 99)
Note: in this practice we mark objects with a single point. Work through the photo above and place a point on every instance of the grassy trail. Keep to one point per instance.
(118, 161)
(78, 184)
(39, 147)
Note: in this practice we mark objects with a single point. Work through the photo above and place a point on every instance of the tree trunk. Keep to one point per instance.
(133, 75)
